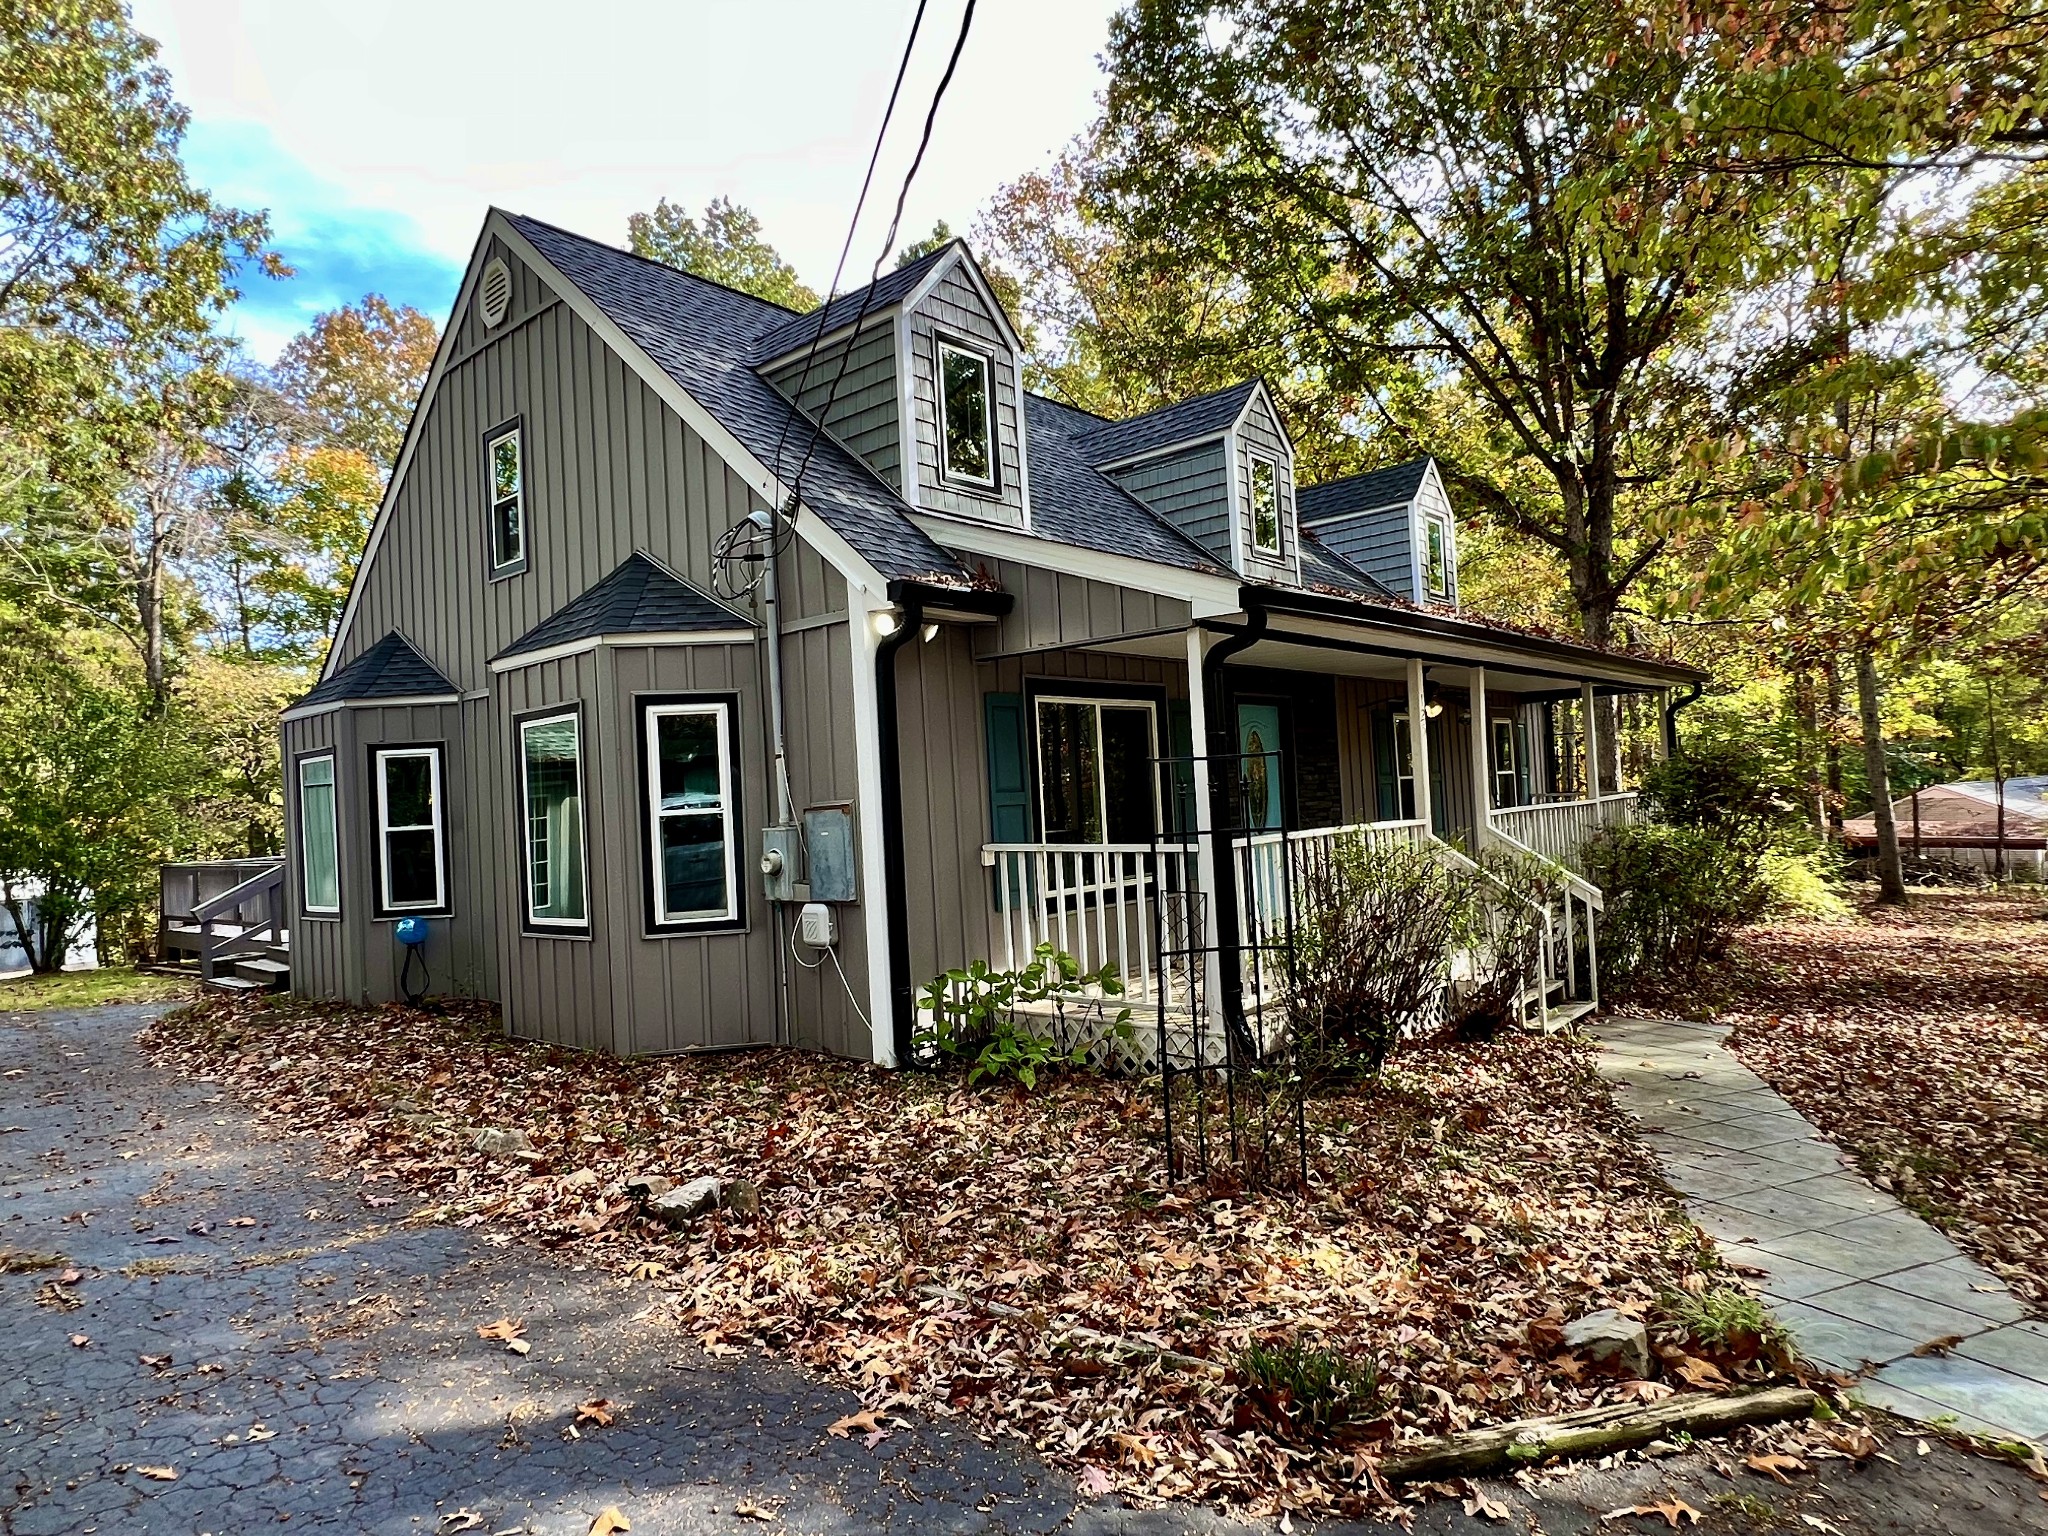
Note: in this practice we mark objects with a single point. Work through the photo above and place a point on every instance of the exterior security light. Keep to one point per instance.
(887, 622)
(931, 633)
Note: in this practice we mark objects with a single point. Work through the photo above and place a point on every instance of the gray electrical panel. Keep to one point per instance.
(828, 839)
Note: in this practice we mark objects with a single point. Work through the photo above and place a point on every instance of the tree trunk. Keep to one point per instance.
(1891, 880)
(1831, 747)
(1805, 734)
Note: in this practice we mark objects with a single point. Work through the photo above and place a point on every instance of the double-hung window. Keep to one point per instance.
(967, 416)
(551, 798)
(1437, 557)
(692, 814)
(505, 472)
(319, 840)
(1403, 745)
(412, 874)
(1095, 764)
(1506, 777)
(1265, 506)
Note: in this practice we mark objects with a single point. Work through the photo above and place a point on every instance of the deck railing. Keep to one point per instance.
(1558, 831)
(1263, 859)
(1116, 904)
(222, 906)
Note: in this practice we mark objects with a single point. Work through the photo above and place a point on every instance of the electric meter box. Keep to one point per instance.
(828, 839)
(780, 861)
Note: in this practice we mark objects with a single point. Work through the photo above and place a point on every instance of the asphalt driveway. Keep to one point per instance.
(204, 1330)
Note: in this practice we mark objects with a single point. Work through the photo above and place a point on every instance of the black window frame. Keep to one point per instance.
(943, 342)
(514, 427)
(314, 914)
(653, 927)
(531, 926)
(377, 752)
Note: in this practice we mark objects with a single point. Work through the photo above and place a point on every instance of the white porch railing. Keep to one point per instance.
(1264, 856)
(1099, 903)
(1559, 830)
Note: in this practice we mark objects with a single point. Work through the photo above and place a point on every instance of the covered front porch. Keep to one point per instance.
(1120, 841)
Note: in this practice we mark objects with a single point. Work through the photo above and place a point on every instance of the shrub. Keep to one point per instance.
(1374, 928)
(1676, 895)
(974, 1017)
(1718, 787)
(1504, 936)
(1314, 1392)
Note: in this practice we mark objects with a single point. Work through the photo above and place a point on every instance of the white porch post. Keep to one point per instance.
(1418, 747)
(1659, 747)
(1482, 764)
(1592, 742)
(1205, 845)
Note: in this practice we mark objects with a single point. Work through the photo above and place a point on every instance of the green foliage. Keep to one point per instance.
(1719, 787)
(1675, 897)
(89, 989)
(724, 247)
(354, 375)
(1725, 1322)
(1316, 1392)
(975, 1016)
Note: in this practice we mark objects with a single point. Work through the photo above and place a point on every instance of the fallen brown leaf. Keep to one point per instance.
(1775, 1466)
(609, 1521)
(1674, 1512)
(158, 1474)
(597, 1411)
(864, 1421)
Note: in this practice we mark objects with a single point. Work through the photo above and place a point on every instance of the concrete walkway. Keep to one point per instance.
(1863, 1285)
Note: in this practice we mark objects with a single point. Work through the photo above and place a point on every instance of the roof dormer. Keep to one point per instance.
(1396, 525)
(1220, 468)
(921, 383)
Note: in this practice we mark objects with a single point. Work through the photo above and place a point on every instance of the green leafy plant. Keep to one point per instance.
(977, 1015)
(1726, 1322)
(1676, 897)
(1316, 1393)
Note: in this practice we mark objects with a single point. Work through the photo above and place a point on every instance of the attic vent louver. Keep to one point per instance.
(494, 292)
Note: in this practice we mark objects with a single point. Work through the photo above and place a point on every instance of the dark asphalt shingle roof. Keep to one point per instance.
(390, 669)
(704, 338)
(638, 598)
(796, 331)
(1072, 502)
(1322, 566)
(1361, 493)
(1108, 441)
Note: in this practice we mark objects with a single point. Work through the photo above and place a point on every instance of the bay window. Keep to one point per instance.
(412, 874)
(687, 770)
(319, 840)
(551, 796)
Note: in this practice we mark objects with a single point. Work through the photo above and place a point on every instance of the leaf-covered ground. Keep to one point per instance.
(1465, 1208)
(1918, 1040)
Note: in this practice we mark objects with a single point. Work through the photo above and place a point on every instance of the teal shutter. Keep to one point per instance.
(1009, 774)
(1180, 746)
(1383, 760)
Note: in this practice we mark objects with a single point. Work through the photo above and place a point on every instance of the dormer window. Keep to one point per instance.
(967, 427)
(1266, 507)
(1436, 563)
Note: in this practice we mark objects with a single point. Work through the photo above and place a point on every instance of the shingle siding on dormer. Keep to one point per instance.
(866, 406)
(1379, 542)
(1258, 435)
(1190, 489)
(954, 307)
(1430, 499)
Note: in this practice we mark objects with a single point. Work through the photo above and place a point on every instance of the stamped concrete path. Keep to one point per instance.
(249, 1318)
(1864, 1286)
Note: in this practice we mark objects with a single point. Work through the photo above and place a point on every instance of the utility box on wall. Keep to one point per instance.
(828, 841)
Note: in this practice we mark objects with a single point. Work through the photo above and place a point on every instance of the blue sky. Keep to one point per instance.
(378, 132)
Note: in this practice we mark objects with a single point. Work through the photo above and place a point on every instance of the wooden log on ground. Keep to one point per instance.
(1591, 1432)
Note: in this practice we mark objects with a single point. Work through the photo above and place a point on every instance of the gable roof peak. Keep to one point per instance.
(392, 668)
(640, 596)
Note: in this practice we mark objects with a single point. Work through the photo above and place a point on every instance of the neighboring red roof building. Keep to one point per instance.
(1965, 815)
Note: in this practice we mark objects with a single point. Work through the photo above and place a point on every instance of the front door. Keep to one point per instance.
(1259, 765)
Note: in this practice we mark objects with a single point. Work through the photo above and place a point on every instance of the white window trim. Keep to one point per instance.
(1404, 752)
(1097, 702)
(1442, 524)
(492, 501)
(650, 747)
(382, 756)
(1278, 547)
(534, 919)
(1507, 775)
(333, 788)
(988, 394)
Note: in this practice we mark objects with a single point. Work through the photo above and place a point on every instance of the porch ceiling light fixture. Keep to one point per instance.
(1432, 705)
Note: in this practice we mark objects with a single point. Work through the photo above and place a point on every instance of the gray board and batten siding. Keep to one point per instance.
(866, 406)
(1190, 488)
(609, 469)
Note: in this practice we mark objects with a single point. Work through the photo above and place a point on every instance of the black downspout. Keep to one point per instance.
(895, 900)
(1671, 718)
(1221, 748)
